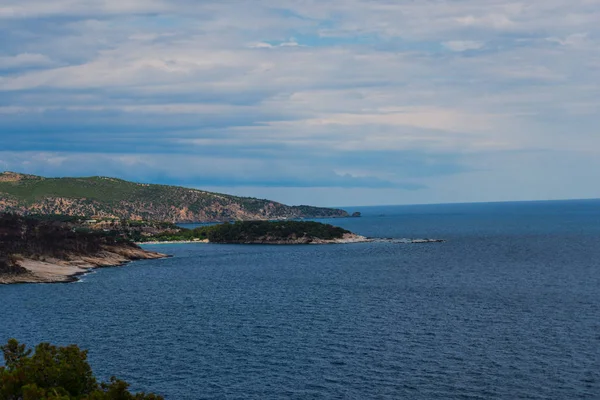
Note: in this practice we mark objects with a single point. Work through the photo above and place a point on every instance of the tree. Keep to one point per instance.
(56, 373)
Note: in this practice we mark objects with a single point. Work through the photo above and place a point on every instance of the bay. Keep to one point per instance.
(508, 307)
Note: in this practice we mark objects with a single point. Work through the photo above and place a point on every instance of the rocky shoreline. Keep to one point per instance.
(172, 242)
(348, 238)
(52, 270)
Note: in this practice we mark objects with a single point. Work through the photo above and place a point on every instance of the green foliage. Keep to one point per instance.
(104, 189)
(56, 373)
(258, 231)
(58, 217)
(253, 231)
(178, 235)
(34, 238)
(110, 196)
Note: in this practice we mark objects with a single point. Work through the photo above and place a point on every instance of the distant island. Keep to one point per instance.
(58, 248)
(105, 197)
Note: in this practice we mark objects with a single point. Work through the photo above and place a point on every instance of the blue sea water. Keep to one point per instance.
(507, 308)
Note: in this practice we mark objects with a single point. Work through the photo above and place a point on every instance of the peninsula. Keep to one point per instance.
(33, 250)
(259, 232)
(104, 197)
(59, 248)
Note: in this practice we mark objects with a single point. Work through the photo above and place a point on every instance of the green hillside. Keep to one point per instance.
(110, 197)
(102, 189)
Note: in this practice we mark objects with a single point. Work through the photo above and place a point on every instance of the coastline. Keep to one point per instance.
(53, 270)
(173, 242)
(346, 239)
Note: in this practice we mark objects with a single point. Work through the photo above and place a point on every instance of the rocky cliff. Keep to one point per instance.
(110, 197)
(50, 251)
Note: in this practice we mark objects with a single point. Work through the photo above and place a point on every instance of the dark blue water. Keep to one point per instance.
(507, 308)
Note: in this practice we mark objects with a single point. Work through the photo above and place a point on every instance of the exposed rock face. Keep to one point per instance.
(33, 250)
(14, 177)
(52, 270)
(109, 197)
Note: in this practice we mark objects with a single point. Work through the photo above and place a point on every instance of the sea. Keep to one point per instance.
(508, 307)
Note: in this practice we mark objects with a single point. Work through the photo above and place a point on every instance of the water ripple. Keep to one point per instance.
(503, 315)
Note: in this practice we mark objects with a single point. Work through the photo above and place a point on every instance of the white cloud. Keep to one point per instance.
(463, 45)
(576, 40)
(341, 75)
(25, 60)
(496, 21)
(262, 45)
(427, 118)
(41, 8)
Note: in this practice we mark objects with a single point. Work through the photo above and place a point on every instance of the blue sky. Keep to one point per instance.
(341, 102)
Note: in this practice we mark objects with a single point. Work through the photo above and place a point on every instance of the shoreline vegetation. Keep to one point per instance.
(53, 249)
(268, 232)
(346, 239)
(50, 251)
(257, 232)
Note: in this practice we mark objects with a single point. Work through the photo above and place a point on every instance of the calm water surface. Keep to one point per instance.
(507, 308)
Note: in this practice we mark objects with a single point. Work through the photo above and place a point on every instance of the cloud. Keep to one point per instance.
(35, 8)
(192, 170)
(428, 118)
(262, 45)
(24, 60)
(576, 40)
(463, 45)
(368, 94)
(496, 21)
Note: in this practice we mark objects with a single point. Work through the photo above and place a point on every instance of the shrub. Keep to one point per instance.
(56, 373)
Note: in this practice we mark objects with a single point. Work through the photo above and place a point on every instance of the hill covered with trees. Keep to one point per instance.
(110, 197)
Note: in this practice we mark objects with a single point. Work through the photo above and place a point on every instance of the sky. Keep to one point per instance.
(333, 103)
